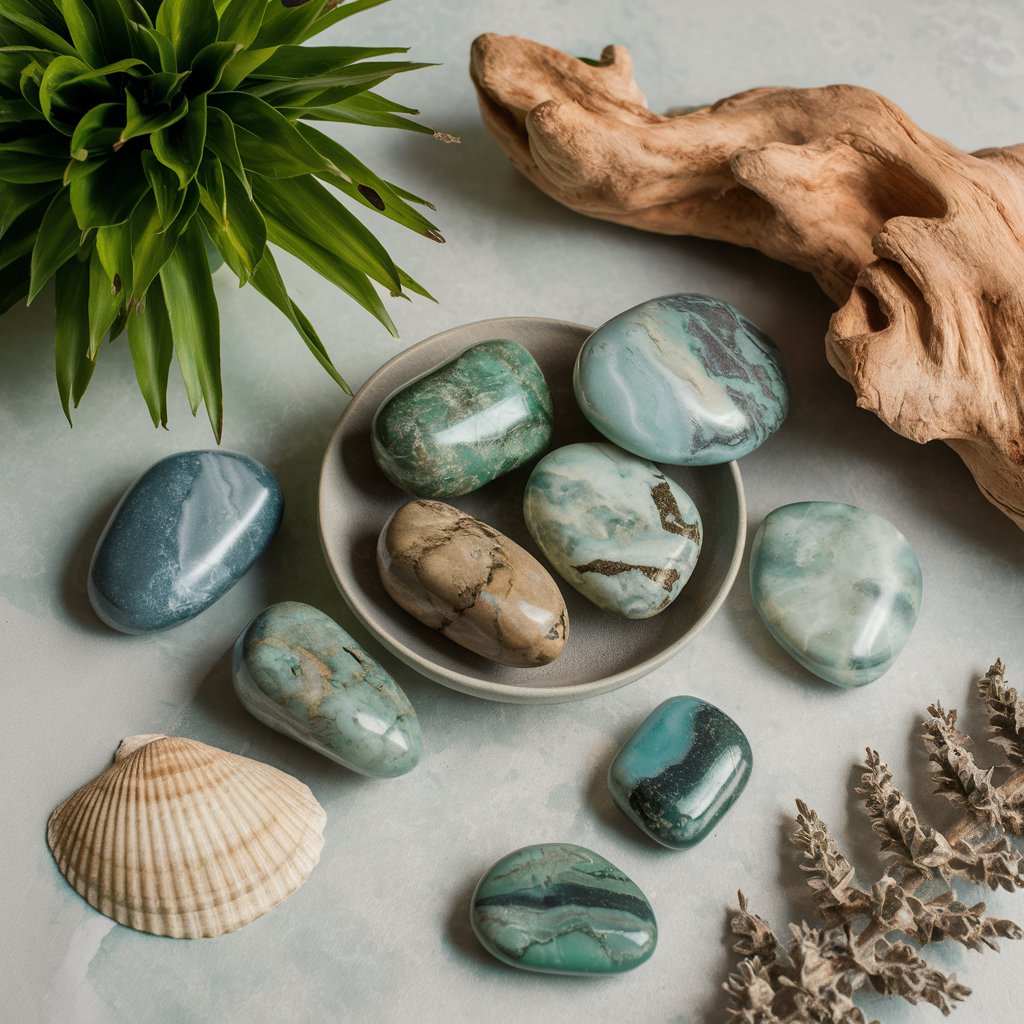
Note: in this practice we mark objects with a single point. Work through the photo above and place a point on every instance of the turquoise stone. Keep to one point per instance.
(298, 671)
(562, 909)
(838, 587)
(466, 423)
(682, 769)
(684, 379)
(614, 526)
(183, 535)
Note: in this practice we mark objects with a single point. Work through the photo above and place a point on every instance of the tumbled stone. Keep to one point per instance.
(473, 584)
(614, 526)
(562, 909)
(838, 587)
(684, 379)
(185, 532)
(682, 769)
(299, 672)
(468, 422)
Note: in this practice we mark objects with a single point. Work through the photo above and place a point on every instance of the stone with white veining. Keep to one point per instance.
(299, 672)
(684, 379)
(184, 533)
(614, 526)
(837, 586)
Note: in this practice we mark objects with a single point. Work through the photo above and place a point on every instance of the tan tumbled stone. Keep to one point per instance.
(473, 584)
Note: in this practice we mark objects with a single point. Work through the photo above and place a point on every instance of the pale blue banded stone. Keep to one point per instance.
(614, 526)
(838, 587)
(562, 909)
(682, 769)
(183, 535)
(684, 379)
(299, 672)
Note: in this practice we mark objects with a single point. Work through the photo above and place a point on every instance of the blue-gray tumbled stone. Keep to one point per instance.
(838, 587)
(185, 532)
(614, 526)
(563, 909)
(682, 769)
(298, 671)
(684, 379)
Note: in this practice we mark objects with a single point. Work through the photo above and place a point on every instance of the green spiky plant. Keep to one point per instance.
(133, 133)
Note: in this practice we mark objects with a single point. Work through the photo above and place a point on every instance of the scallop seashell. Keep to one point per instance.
(179, 838)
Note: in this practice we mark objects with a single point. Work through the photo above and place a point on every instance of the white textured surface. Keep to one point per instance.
(380, 932)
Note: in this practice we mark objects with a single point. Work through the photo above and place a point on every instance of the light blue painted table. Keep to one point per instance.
(380, 932)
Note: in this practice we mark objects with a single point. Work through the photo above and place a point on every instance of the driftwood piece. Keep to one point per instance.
(920, 244)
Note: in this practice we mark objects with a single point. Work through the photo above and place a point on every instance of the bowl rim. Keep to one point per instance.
(507, 692)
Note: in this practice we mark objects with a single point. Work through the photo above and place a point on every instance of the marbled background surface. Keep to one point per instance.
(380, 932)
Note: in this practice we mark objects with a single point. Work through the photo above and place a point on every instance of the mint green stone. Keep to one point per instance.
(563, 909)
(466, 423)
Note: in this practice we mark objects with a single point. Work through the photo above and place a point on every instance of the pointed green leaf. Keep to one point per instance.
(289, 63)
(164, 183)
(365, 108)
(309, 210)
(114, 246)
(240, 233)
(332, 15)
(68, 89)
(57, 241)
(151, 247)
(164, 49)
(336, 87)
(71, 333)
(76, 169)
(104, 303)
(20, 239)
(97, 131)
(287, 23)
(33, 159)
(108, 195)
(180, 147)
(212, 192)
(341, 275)
(189, 24)
(267, 281)
(14, 280)
(240, 21)
(34, 29)
(149, 339)
(364, 186)
(16, 199)
(195, 326)
(220, 139)
(112, 21)
(85, 33)
(143, 121)
(243, 65)
(267, 141)
(208, 67)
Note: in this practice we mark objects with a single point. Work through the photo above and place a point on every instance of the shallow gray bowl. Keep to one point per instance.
(603, 651)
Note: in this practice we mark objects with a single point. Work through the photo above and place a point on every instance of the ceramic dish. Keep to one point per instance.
(603, 651)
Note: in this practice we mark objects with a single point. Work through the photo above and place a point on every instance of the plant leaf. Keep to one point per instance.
(331, 16)
(267, 281)
(242, 66)
(68, 89)
(104, 303)
(180, 146)
(195, 326)
(71, 333)
(114, 246)
(365, 108)
(14, 280)
(16, 199)
(164, 183)
(237, 228)
(108, 195)
(308, 209)
(240, 21)
(293, 63)
(331, 88)
(58, 240)
(152, 245)
(220, 139)
(149, 339)
(97, 131)
(208, 67)
(84, 31)
(268, 142)
(27, 18)
(287, 24)
(189, 25)
(144, 121)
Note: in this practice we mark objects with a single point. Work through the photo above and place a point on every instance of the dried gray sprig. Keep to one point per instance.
(816, 977)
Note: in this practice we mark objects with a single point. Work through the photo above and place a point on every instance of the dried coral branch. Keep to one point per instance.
(817, 977)
(1006, 713)
(920, 244)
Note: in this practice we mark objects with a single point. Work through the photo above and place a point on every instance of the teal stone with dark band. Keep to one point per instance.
(470, 421)
(684, 379)
(682, 769)
(562, 909)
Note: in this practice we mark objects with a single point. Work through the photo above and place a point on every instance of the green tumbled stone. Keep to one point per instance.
(562, 909)
(466, 423)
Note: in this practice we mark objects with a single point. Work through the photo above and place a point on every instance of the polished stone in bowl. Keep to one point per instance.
(604, 651)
